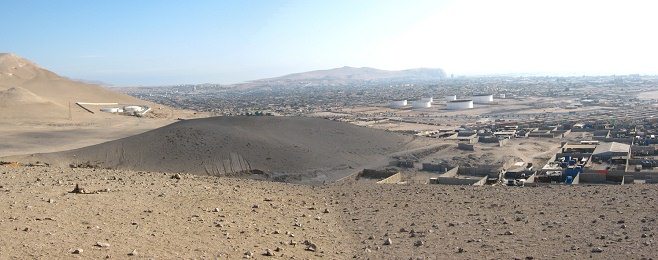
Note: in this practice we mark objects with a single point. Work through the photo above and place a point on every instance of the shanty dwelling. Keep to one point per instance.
(608, 165)
(601, 133)
(609, 151)
(466, 136)
(453, 177)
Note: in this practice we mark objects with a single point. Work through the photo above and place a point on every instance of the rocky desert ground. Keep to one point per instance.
(128, 214)
(141, 188)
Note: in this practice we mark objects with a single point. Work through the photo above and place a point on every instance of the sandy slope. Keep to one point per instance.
(41, 84)
(292, 149)
(165, 218)
(34, 111)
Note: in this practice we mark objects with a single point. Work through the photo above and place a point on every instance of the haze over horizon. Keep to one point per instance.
(169, 42)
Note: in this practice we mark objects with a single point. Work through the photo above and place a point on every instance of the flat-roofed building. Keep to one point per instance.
(608, 151)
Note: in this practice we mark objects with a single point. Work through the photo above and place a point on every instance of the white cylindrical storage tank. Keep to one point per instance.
(133, 109)
(421, 104)
(427, 99)
(398, 103)
(483, 99)
(460, 104)
(451, 97)
(110, 110)
(501, 95)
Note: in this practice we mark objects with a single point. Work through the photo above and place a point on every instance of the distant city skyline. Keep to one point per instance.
(132, 43)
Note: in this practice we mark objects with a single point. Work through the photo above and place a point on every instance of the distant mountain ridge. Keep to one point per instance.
(347, 76)
(364, 73)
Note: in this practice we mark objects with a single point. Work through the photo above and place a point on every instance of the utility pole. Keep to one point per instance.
(70, 116)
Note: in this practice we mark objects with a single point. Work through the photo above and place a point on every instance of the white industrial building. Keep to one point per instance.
(128, 110)
(460, 104)
(398, 103)
(112, 110)
(483, 99)
(421, 104)
(133, 109)
(451, 97)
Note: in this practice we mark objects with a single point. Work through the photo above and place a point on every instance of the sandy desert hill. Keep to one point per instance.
(39, 85)
(293, 149)
(35, 105)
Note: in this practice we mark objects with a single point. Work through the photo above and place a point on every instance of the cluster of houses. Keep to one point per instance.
(586, 162)
(600, 153)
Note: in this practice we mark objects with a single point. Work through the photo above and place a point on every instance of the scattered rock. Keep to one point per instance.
(597, 250)
(268, 252)
(388, 241)
(102, 244)
(419, 243)
(77, 251)
(176, 176)
(311, 247)
(133, 253)
(78, 190)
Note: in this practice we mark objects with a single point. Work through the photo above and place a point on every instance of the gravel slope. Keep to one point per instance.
(157, 216)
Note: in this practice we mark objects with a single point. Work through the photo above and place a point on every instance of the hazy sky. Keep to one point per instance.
(171, 42)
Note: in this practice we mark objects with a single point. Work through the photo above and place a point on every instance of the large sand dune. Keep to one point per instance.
(284, 148)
